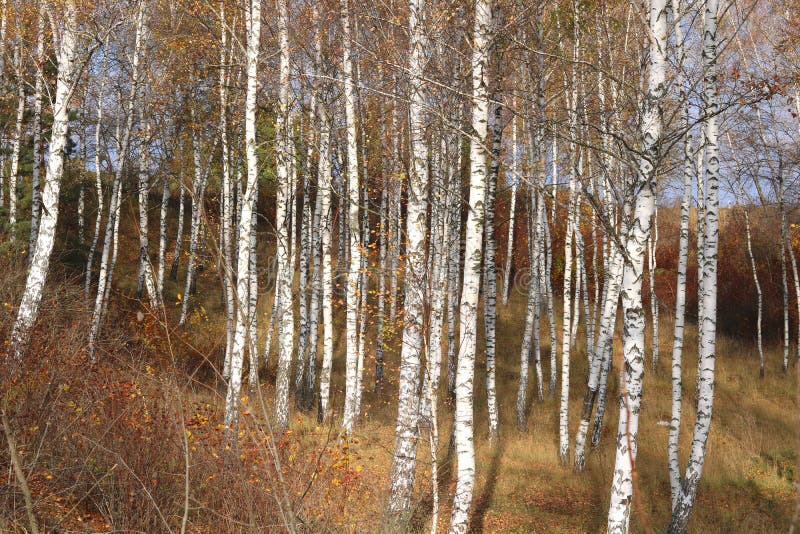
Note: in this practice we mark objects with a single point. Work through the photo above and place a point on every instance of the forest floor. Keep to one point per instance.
(748, 482)
(750, 473)
(749, 479)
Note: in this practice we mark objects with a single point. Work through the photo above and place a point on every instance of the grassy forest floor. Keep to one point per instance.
(748, 483)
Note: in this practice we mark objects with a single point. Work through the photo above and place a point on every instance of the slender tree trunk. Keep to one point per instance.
(464, 432)
(633, 312)
(406, 430)
(305, 260)
(531, 315)
(453, 273)
(98, 185)
(284, 172)
(490, 276)
(162, 237)
(252, 297)
(227, 201)
(566, 327)
(38, 162)
(326, 227)
(145, 265)
(247, 203)
(511, 210)
(652, 245)
(683, 258)
(784, 238)
(708, 319)
(176, 255)
(363, 280)
(13, 177)
(758, 291)
(793, 259)
(28, 309)
(551, 315)
(382, 290)
(315, 233)
(351, 322)
(395, 214)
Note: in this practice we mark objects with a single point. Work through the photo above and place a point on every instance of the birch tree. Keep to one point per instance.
(351, 290)
(464, 431)
(247, 202)
(683, 257)
(638, 234)
(68, 35)
(38, 163)
(411, 354)
(512, 208)
(707, 321)
(111, 239)
(490, 276)
(326, 226)
(284, 170)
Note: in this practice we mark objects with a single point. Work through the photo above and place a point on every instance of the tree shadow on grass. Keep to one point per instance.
(484, 500)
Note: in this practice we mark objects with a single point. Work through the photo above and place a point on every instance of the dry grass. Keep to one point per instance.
(749, 475)
(747, 483)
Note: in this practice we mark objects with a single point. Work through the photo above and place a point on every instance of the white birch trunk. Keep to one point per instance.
(227, 204)
(247, 203)
(325, 226)
(464, 432)
(395, 214)
(38, 163)
(162, 237)
(551, 315)
(176, 255)
(453, 272)
(305, 259)
(308, 393)
(490, 278)
(708, 319)
(98, 185)
(284, 172)
(145, 265)
(566, 327)
(28, 309)
(652, 245)
(633, 312)
(511, 210)
(252, 297)
(351, 198)
(13, 177)
(758, 292)
(531, 314)
(680, 290)
(382, 271)
(411, 353)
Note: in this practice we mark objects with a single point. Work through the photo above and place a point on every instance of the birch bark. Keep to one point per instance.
(351, 359)
(464, 425)
(247, 203)
(411, 355)
(633, 312)
(38, 162)
(708, 319)
(284, 172)
(28, 309)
